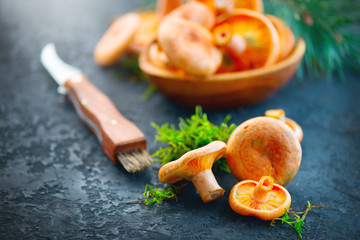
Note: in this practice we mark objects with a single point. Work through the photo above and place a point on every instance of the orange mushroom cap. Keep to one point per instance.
(286, 36)
(116, 40)
(189, 46)
(196, 166)
(264, 146)
(146, 31)
(296, 128)
(264, 199)
(280, 115)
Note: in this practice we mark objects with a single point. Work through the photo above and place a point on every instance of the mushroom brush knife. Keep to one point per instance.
(121, 140)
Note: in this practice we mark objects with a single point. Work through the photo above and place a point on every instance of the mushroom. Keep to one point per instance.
(264, 199)
(280, 115)
(157, 55)
(117, 39)
(264, 146)
(195, 166)
(189, 46)
(286, 36)
(195, 12)
(145, 33)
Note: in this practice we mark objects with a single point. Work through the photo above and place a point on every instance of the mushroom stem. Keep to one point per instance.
(236, 45)
(207, 186)
(262, 189)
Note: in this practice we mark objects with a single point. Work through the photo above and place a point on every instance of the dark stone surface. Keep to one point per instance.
(55, 181)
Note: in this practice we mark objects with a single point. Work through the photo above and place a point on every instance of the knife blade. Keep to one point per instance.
(120, 139)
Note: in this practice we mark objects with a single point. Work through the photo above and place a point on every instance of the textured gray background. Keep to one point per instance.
(55, 181)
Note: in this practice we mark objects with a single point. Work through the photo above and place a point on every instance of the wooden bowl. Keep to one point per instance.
(226, 90)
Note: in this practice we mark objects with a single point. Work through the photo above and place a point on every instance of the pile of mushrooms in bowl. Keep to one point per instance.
(217, 54)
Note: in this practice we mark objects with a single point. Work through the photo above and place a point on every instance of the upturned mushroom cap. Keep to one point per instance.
(262, 199)
(296, 128)
(255, 34)
(280, 115)
(196, 166)
(264, 146)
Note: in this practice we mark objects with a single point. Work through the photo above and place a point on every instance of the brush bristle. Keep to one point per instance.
(135, 160)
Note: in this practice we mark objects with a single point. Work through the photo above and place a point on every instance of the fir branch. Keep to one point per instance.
(296, 219)
(330, 29)
(192, 133)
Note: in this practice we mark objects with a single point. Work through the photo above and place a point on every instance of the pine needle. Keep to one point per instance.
(330, 30)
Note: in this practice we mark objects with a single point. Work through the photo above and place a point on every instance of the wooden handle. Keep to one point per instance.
(114, 132)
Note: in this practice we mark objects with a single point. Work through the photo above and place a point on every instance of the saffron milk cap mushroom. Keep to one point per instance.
(117, 39)
(264, 199)
(195, 166)
(146, 31)
(253, 40)
(189, 46)
(280, 115)
(286, 36)
(264, 146)
(194, 12)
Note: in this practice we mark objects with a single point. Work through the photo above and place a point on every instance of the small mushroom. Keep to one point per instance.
(196, 166)
(280, 115)
(264, 199)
